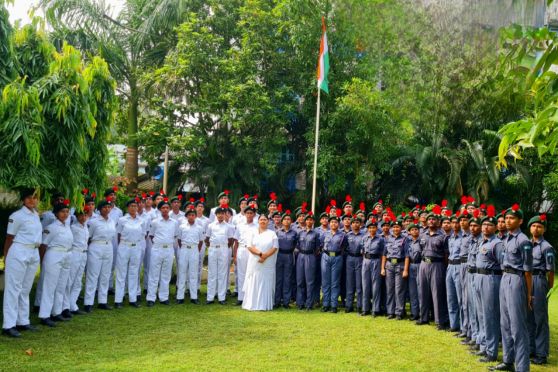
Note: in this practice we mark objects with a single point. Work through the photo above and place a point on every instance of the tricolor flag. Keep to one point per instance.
(323, 61)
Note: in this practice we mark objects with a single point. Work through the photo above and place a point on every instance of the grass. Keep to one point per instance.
(217, 337)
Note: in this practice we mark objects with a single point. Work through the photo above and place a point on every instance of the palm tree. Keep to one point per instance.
(132, 41)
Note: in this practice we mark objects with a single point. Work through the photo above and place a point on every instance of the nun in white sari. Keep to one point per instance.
(259, 284)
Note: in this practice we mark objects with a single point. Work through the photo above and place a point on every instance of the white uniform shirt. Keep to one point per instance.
(190, 234)
(164, 231)
(219, 233)
(48, 217)
(115, 214)
(244, 232)
(203, 221)
(25, 226)
(177, 216)
(81, 236)
(102, 230)
(58, 235)
(238, 219)
(131, 230)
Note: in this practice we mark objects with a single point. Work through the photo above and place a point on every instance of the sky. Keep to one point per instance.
(20, 9)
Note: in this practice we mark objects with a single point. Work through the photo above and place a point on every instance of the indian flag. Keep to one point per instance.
(323, 61)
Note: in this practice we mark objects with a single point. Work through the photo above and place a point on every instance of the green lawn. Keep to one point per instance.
(212, 337)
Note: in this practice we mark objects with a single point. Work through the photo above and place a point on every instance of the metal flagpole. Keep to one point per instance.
(316, 153)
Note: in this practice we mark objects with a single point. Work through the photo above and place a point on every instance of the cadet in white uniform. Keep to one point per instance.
(218, 240)
(131, 237)
(22, 260)
(244, 232)
(55, 251)
(223, 199)
(191, 239)
(153, 213)
(78, 260)
(163, 232)
(102, 230)
(114, 214)
(202, 221)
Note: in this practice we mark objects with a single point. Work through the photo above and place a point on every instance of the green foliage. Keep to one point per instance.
(55, 118)
(7, 68)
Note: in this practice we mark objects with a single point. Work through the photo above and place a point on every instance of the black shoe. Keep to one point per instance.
(78, 312)
(222, 303)
(461, 335)
(11, 332)
(48, 322)
(539, 360)
(376, 314)
(196, 301)
(286, 306)
(472, 343)
(150, 303)
(486, 359)
(364, 313)
(325, 309)
(454, 330)
(442, 327)
(420, 322)
(104, 307)
(474, 347)
(391, 316)
(179, 302)
(398, 317)
(118, 305)
(238, 303)
(59, 318)
(348, 310)
(502, 367)
(27, 327)
(67, 314)
(209, 302)
(111, 292)
(88, 308)
(166, 302)
(477, 353)
(134, 304)
(334, 310)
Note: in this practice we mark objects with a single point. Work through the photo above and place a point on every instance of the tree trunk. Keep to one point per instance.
(131, 165)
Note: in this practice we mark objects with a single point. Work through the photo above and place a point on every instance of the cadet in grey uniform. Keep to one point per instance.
(477, 342)
(414, 250)
(353, 267)
(395, 267)
(335, 243)
(308, 251)
(489, 275)
(517, 264)
(543, 280)
(287, 238)
(453, 275)
(466, 331)
(373, 246)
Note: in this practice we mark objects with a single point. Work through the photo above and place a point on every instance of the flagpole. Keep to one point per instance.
(316, 153)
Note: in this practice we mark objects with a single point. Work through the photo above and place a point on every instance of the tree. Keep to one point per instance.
(55, 117)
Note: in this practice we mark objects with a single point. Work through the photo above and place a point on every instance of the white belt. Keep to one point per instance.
(58, 248)
(30, 246)
(129, 244)
(105, 242)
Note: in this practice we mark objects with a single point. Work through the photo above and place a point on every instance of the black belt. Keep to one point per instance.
(489, 272)
(371, 256)
(510, 270)
(285, 251)
(354, 255)
(332, 254)
(471, 270)
(539, 272)
(463, 260)
(394, 260)
(306, 252)
(454, 262)
(417, 261)
(432, 259)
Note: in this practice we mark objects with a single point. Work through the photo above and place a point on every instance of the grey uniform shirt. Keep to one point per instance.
(543, 256)
(489, 253)
(518, 252)
(373, 244)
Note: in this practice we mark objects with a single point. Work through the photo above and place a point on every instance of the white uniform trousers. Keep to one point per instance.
(146, 261)
(160, 272)
(128, 256)
(200, 267)
(78, 259)
(217, 259)
(112, 271)
(56, 266)
(99, 265)
(242, 256)
(141, 264)
(187, 267)
(21, 262)
(39, 287)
